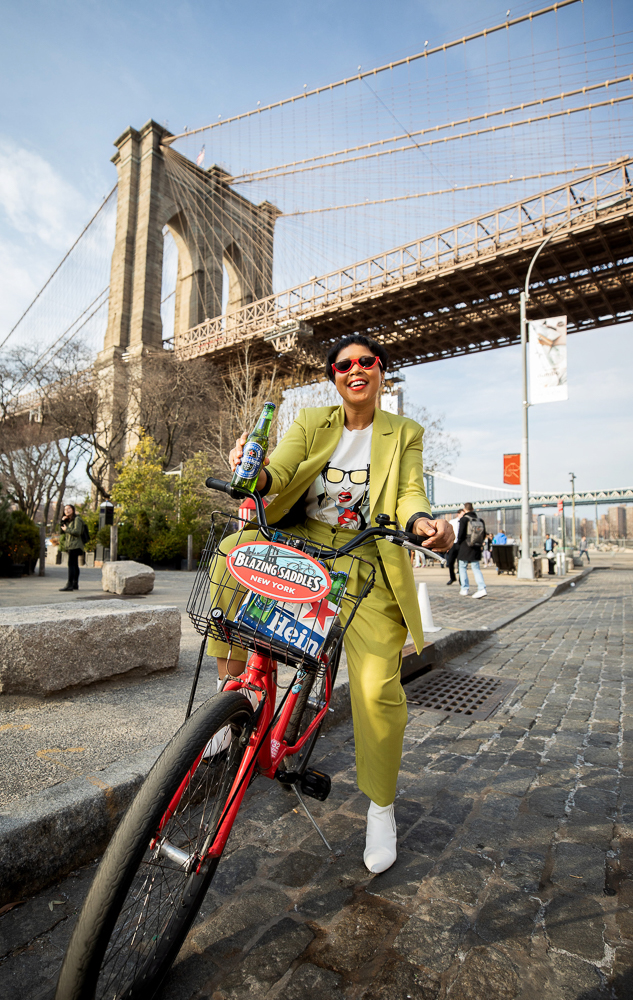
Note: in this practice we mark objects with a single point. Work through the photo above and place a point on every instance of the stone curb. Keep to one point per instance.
(60, 828)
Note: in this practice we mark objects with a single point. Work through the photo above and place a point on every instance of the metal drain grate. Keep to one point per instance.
(461, 694)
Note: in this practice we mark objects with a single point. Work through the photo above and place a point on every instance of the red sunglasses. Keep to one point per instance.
(367, 362)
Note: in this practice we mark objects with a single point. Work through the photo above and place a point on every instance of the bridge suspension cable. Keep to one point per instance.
(424, 54)
(83, 232)
(265, 171)
(451, 190)
(46, 357)
(565, 112)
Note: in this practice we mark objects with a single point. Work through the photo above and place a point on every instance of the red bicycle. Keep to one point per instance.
(160, 863)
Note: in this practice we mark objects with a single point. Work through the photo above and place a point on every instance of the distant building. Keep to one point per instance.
(629, 522)
(617, 522)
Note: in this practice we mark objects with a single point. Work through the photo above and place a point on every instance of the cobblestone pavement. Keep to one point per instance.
(514, 879)
(506, 595)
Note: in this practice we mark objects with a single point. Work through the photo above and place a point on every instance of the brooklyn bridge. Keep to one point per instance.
(204, 261)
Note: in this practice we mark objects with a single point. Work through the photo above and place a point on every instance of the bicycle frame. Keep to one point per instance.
(267, 751)
(267, 747)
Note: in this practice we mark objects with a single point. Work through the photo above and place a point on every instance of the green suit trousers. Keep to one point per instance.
(373, 646)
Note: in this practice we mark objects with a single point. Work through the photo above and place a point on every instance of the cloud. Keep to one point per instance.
(35, 200)
(41, 215)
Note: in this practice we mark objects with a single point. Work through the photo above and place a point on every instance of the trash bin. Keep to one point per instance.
(106, 514)
(504, 558)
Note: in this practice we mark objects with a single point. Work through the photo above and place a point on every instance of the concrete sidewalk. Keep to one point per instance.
(515, 866)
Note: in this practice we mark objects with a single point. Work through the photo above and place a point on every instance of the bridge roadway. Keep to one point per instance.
(456, 291)
(592, 497)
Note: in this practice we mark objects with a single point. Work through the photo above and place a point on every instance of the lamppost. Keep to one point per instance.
(573, 510)
(525, 569)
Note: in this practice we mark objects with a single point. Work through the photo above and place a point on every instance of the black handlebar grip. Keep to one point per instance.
(218, 484)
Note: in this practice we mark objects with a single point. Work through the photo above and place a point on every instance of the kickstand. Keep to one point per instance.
(311, 818)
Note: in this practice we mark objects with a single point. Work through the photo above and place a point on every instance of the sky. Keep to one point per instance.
(76, 73)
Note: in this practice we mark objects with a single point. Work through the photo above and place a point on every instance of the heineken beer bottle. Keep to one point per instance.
(247, 472)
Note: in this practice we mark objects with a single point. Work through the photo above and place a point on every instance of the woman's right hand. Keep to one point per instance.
(235, 457)
(235, 454)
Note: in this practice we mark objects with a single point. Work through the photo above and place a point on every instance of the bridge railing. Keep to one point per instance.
(525, 220)
(31, 402)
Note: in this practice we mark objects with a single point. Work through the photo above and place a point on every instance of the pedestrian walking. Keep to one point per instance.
(549, 546)
(76, 533)
(472, 532)
(487, 550)
(583, 549)
(451, 557)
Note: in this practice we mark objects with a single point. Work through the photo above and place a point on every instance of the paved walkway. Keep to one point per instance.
(44, 741)
(514, 879)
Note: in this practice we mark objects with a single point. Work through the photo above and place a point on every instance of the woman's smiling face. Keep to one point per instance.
(358, 385)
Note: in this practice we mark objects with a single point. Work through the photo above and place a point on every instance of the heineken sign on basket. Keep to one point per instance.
(548, 360)
(278, 571)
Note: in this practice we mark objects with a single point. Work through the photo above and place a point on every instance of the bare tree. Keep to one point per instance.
(441, 449)
(174, 401)
(244, 388)
(36, 457)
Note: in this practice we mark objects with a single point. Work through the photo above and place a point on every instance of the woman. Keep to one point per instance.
(72, 527)
(487, 550)
(333, 472)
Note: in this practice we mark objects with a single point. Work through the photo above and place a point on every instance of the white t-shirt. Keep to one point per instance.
(340, 494)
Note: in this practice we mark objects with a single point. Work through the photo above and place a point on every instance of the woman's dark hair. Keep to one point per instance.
(355, 338)
(73, 507)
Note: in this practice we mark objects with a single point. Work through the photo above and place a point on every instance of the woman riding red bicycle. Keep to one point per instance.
(342, 475)
(332, 472)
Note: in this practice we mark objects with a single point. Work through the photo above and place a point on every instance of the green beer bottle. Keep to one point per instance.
(247, 472)
(339, 582)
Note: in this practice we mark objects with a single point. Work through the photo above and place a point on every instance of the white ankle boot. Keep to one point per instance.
(380, 845)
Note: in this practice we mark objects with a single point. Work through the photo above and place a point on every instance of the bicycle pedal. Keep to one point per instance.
(316, 784)
(287, 778)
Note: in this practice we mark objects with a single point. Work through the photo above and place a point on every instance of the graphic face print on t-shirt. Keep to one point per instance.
(340, 493)
(345, 496)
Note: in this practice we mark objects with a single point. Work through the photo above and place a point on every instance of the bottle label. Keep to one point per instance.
(252, 459)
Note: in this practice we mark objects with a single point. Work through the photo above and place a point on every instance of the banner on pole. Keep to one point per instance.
(512, 470)
(548, 359)
(559, 506)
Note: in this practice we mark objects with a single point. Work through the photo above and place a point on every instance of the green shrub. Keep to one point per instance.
(23, 542)
(169, 545)
(133, 542)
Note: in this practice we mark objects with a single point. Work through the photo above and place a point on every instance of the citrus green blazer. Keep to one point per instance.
(396, 486)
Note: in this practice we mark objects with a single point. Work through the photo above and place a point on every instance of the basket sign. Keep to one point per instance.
(279, 571)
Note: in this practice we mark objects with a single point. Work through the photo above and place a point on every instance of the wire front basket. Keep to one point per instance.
(306, 634)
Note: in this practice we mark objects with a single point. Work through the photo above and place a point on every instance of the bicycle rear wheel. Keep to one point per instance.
(146, 892)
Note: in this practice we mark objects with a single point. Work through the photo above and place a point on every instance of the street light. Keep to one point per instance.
(573, 510)
(525, 569)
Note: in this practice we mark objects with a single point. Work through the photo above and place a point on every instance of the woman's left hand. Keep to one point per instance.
(439, 533)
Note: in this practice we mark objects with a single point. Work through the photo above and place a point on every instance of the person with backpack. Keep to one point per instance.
(472, 532)
(77, 534)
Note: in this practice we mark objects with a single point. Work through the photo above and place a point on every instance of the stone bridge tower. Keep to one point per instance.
(213, 227)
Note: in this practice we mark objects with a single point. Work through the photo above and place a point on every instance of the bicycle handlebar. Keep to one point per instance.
(396, 535)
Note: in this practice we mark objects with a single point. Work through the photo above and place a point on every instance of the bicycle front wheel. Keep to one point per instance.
(150, 884)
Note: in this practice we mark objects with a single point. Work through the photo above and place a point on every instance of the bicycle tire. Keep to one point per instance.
(142, 902)
(303, 713)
